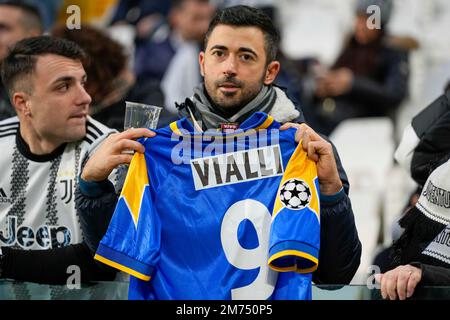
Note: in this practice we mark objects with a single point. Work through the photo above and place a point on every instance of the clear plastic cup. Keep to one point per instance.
(140, 115)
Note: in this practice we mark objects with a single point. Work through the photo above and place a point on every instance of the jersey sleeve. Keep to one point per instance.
(132, 241)
(295, 229)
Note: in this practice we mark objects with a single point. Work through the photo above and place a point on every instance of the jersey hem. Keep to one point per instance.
(123, 262)
(293, 256)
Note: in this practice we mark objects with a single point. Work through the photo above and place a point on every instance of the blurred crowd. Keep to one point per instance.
(333, 65)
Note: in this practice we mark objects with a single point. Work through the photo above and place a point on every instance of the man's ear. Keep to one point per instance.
(21, 104)
(201, 62)
(272, 71)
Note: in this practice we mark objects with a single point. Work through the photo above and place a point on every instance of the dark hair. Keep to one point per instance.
(21, 60)
(244, 16)
(32, 19)
(106, 58)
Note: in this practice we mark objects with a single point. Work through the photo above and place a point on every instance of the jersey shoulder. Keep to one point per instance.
(96, 132)
(8, 129)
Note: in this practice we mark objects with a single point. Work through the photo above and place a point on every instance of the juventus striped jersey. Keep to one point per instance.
(37, 206)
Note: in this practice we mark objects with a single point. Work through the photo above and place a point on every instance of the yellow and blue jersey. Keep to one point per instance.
(217, 215)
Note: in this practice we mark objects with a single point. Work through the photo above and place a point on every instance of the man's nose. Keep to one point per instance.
(83, 97)
(230, 67)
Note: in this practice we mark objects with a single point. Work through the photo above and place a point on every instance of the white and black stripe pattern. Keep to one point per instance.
(52, 213)
(9, 129)
(437, 255)
(19, 183)
(77, 166)
(92, 133)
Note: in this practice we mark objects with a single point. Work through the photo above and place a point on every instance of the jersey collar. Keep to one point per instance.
(24, 149)
(257, 121)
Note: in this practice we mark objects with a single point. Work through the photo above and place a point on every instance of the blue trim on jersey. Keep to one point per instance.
(124, 260)
(334, 197)
(292, 245)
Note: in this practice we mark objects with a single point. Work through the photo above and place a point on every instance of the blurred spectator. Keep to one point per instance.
(185, 22)
(424, 147)
(48, 9)
(110, 81)
(136, 11)
(422, 254)
(17, 21)
(424, 24)
(135, 21)
(314, 29)
(369, 79)
(174, 54)
(97, 13)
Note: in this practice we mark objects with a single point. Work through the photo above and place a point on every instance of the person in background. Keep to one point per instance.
(423, 148)
(368, 79)
(137, 11)
(421, 256)
(176, 53)
(17, 21)
(43, 149)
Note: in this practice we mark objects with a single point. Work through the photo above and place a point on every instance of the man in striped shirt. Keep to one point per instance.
(43, 150)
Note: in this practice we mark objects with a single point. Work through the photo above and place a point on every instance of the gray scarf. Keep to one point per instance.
(204, 112)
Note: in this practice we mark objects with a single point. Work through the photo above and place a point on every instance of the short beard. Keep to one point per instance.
(239, 105)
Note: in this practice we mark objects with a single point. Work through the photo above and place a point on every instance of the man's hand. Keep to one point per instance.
(399, 282)
(320, 151)
(110, 153)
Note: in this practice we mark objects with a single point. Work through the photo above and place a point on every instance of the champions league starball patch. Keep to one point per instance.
(295, 194)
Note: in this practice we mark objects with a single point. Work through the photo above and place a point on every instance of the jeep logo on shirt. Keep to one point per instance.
(45, 237)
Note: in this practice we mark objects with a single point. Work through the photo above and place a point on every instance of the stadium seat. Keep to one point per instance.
(366, 148)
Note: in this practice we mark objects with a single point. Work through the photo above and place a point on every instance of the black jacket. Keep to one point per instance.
(52, 266)
(432, 126)
(433, 275)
